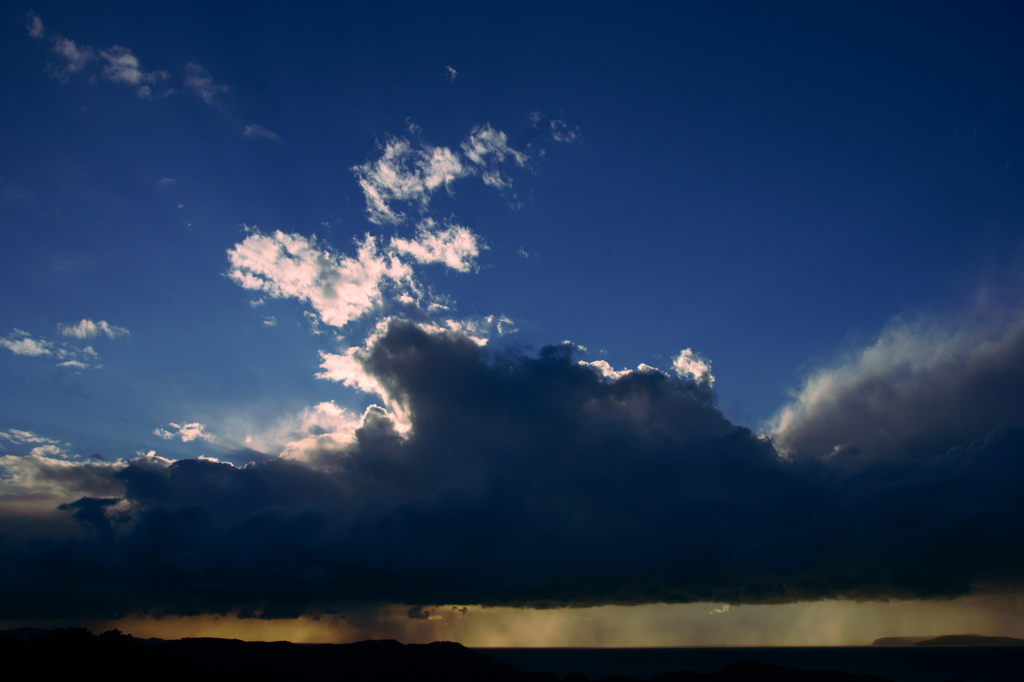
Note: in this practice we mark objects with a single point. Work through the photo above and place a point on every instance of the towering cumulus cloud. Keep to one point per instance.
(529, 480)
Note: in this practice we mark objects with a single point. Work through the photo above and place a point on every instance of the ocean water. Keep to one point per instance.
(900, 664)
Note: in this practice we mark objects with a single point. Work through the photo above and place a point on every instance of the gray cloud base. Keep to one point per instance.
(532, 481)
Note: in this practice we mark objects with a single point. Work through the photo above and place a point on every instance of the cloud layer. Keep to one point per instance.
(530, 480)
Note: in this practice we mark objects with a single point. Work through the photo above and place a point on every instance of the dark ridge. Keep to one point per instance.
(898, 641)
(971, 640)
(76, 652)
(24, 634)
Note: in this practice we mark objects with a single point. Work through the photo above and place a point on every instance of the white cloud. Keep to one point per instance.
(123, 67)
(603, 368)
(19, 436)
(338, 287)
(347, 369)
(85, 329)
(456, 247)
(21, 343)
(485, 141)
(256, 131)
(167, 182)
(199, 81)
(408, 174)
(34, 25)
(186, 432)
(66, 479)
(561, 132)
(49, 450)
(75, 57)
(270, 321)
(405, 174)
(922, 386)
(689, 364)
(451, 73)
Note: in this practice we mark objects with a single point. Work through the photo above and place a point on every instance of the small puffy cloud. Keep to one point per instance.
(270, 321)
(409, 174)
(451, 73)
(200, 82)
(86, 329)
(21, 343)
(340, 288)
(123, 67)
(561, 132)
(167, 182)
(75, 57)
(49, 450)
(689, 364)
(455, 246)
(258, 132)
(186, 432)
(405, 174)
(34, 26)
(484, 141)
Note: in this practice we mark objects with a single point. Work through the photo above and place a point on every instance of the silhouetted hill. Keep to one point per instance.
(949, 640)
(898, 641)
(24, 634)
(742, 671)
(971, 640)
(111, 655)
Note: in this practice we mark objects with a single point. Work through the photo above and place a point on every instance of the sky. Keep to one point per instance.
(551, 326)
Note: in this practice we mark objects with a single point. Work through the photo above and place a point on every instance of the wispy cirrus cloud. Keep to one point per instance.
(200, 82)
(258, 132)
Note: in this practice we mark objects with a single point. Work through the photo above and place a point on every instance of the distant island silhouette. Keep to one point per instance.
(949, 640)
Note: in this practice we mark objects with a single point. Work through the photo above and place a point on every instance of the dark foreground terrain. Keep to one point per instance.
(76, 652)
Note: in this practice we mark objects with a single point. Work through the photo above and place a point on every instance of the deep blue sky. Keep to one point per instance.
(773, 186)
(759, 184)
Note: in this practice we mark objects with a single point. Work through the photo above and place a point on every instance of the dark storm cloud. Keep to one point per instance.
(532, 481)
